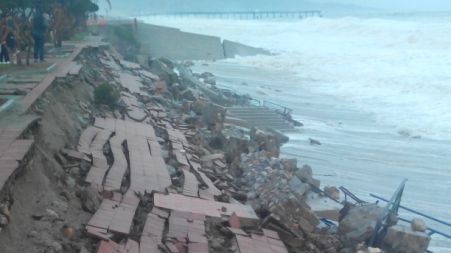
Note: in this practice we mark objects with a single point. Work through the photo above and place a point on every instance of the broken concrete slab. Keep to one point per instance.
(359, 224)
(205, 207)
(403, 239)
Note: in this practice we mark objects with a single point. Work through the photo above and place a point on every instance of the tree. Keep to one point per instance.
(66, 16)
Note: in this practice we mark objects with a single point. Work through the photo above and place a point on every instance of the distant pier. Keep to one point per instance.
(241, 14)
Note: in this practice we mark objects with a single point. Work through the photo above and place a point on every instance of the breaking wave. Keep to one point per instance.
(396, 69)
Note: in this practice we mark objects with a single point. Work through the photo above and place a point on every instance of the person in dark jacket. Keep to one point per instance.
(10, 40)
(39, 28)
(4, 54)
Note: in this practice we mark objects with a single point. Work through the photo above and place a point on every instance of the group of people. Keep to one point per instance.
(9, 35)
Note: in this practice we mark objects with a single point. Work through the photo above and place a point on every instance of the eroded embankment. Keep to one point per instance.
(160, 171)
(43, 198)
(59, 189)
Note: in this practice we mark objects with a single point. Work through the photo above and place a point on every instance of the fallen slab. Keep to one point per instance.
(125, 212)
(403, 239)
(113, 181)
(204, 207)
(191, 185)
(269, 242)
(152, 233)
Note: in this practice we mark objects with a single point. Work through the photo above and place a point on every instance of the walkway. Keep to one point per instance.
(20, 88)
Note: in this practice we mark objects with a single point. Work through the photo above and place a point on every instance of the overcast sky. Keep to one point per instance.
(407, 5)
(340, 7)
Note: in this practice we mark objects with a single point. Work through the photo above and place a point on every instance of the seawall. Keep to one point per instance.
(159, 41)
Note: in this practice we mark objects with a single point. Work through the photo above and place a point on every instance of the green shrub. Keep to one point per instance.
(106, 94)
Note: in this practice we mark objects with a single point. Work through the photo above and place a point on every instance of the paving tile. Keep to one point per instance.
(198, 247)
(271, 234)
(101, 139)
(130, 65)
(237, 231)
(102, 218)
(152, 234)
(160, 212)
(132, 246)
(245, 244)
(63, 68)
(132, 83)
(86, 138)
(122, 220)
(110, 247)
(99, 233)
(149, 74)
(201, 206)
(258, 243)
(113, 180)
(95, 176)
(191, 185)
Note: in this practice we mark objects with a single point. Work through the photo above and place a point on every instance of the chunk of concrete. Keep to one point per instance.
(298, 187)
(332, 192)
(403, 239)
(322, 206)
(90, 199)
(358, 225)
(232, 49)
(418, 225)
(305, 174)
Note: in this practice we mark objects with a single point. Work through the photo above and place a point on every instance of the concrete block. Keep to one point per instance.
(232, 49)
(400, 239)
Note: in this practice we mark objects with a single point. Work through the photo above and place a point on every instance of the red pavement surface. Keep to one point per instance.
(86, 138)
(152, 234)
(200, 206)
(117, 171)
(148, 173)
(259, 244)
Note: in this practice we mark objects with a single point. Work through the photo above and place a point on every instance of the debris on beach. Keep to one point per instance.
(162, 170)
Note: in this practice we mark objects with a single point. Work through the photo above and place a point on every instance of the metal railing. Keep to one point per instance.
(429, 217)
(277, 108)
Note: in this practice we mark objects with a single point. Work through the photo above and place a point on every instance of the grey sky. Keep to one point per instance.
(330, 7)
(406, 5)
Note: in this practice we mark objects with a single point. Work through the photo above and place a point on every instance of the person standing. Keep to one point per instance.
(4, 56)
(39, 28)
(11, 39)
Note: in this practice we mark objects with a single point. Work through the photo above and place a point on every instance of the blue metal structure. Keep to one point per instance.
(383, 221)
(431, 230)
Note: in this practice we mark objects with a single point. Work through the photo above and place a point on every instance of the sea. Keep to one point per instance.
(375, 91)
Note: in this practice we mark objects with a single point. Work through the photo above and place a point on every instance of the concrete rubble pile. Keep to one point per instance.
(203, 158)
(191, 201)
(163, 172)
(282, 193)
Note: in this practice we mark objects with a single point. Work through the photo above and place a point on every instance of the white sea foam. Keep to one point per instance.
(397, 69)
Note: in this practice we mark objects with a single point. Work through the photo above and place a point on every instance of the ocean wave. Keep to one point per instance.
(397, 69)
